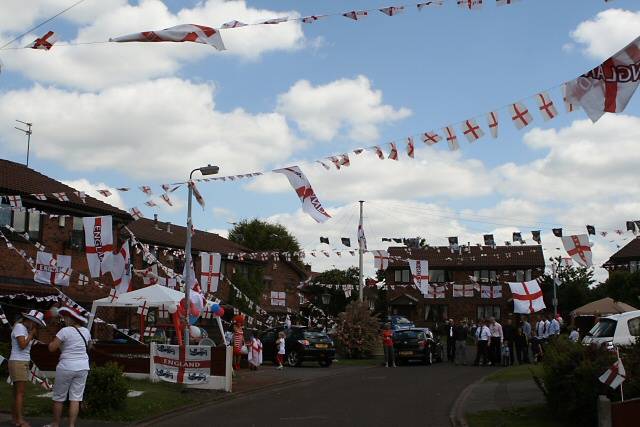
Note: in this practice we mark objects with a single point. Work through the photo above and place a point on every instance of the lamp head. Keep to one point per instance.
(209, 170)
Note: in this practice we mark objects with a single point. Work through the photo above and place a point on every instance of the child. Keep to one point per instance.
(280, 342)
(506, 354)
(255, 352)
(238, 341)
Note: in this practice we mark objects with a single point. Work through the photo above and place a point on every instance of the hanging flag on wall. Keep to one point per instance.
(52, 269)
(310, 202)
(98, 237)
(210, 276)
(420, 274)
(527, 297)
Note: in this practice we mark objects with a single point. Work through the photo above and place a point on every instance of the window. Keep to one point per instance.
(301, 299)
(523, 275)
(77, 234)
(402, 276)
(21, 221)
(435, 313)
(437, 276)
(267, 281)
(486, 311)
(33, 225)
(634, 327)
(633, 265)
(605, 328)
(5, 214)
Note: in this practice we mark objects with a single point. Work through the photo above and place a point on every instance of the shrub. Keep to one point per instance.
(357, 331)
(106, 389)
(631, 360)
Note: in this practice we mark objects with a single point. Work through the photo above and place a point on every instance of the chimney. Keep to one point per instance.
(168, 227)
(155, 221)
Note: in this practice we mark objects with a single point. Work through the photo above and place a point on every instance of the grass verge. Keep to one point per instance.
(515, 373)
(528, 416)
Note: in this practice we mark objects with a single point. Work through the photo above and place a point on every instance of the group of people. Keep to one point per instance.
(498, 344)
(248, 343)
(73, 341)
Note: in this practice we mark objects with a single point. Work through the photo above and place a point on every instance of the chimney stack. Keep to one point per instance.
(168, 227)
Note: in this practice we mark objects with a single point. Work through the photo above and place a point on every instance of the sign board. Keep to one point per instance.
(181, 364)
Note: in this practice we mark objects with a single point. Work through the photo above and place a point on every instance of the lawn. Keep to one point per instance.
(515, 373)
(157, 398)
(529, 416)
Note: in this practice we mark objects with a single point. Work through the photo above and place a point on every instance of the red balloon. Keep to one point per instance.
(220, 312)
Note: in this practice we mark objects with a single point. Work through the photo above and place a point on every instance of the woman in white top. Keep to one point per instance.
(73, 341)
(22, 337)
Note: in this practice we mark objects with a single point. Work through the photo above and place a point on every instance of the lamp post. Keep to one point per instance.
(205, 170)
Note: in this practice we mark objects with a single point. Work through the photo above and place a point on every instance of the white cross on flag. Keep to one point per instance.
(52, 269)
(608, 87)
(527, 297)
(310, 203)
(121, 269)
(381, 260)
(210, 275)
(471, 130)
(520, 115)
(179, 33)
(579, 248)
(430, 138)
(546, 107)
(420, 274)
(98, 236)
(393, 153)
(45, 42)
(615, 375)
(452, 139)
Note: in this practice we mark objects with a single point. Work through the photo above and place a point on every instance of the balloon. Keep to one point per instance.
(172, 308)
(220, 312)
(193, 319)
(51, 313)
(215, 308)
(194, 332)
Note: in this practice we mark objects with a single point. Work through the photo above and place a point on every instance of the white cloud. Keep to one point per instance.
(97, 66)
(91, 189)
(351, 105)
(607, 33)
(165, 125)
(219, 231)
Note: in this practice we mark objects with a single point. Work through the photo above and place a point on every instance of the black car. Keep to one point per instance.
(414, 344)
(301, 344)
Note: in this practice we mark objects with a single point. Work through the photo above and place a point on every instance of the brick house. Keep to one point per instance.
(487, 265)
(626, 259)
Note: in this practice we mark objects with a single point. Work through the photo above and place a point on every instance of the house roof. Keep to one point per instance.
(631, 251)
(152, 232)
(472, 257)
(17, 179)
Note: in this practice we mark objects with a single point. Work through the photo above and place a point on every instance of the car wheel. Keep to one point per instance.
(325, 363)
(293, 359)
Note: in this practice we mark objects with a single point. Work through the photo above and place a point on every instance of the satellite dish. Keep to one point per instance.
(207, 342)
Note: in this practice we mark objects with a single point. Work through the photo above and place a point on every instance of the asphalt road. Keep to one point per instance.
(374, 396)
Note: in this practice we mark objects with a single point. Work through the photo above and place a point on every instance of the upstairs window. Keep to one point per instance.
(523, 275)
(5, 214)
(77, 234)
(402, 276)
(21, 221)
(485, 276)
(438, 276)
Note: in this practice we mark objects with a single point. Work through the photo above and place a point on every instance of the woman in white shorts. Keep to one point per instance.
(73, 341)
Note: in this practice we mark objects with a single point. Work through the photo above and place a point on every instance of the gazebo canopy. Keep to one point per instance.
(155, 296)
(602, 307)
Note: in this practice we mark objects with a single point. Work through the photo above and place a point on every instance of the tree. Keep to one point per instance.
(260, 235)
(357, 331)
(622, 286)
(573, 289)
(335, 277)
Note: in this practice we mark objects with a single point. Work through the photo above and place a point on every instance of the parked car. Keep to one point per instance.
(615, 330)
(414, 344)
(435, 346)
(399, 322)
(301, 344)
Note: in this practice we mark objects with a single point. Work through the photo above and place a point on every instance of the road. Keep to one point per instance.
(371, 396)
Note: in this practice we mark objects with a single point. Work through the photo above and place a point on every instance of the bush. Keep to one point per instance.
(570, 380)
(357, 331)
(106, 389)
(631, 360)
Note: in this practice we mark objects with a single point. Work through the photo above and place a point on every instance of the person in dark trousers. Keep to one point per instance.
(451, 342)
(495, 343)
(522, 346)
(509, 332)
(460, 333)
(482, 341)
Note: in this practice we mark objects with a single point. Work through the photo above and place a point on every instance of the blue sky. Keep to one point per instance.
(443, 65)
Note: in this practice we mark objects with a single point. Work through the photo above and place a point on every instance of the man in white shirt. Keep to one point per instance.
(496, 341)
(483, 334)
(554, 327)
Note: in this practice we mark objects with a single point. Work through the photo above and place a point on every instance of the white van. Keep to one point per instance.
(615, 330)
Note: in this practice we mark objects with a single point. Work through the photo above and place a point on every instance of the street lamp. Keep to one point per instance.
(326, 298)
(205, 170)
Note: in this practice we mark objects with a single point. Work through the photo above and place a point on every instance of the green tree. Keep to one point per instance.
(263, 236)
(573, 289)
(622, 286)
(251, 284)
(335, 277)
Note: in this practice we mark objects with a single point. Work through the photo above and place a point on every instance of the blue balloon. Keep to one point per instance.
(215, 308)
(193, 319)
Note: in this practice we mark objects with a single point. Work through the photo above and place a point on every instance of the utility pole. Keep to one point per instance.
(27, 132)
(554, 269)
(361, 253)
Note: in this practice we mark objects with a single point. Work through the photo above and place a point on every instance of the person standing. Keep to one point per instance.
(460, 333)
(509, 333)
(574, 334)
(482, 342)
(451, 342)
(554, 327)
(496, 340)
(526, 331)
(387, 345)
(73, 341)
(23, 335)
(255, 352)
(522, 347)
(282, 350)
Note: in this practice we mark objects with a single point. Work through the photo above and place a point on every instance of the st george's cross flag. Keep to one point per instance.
(121, 269)
(615, 375)
(452, 139)
(579, 248)
(210, 275)
(98, 237)
(52, 269)
(380, 260)
(420, 274)
(527, 297)
(492, 122)
(470, 4)
(546, 107)
(310, 203)
(410, 147)
(179, 33)
(45, 42)
(430, 138)
(393, 152)
(520, 115)
(608, 87)
(472, 130)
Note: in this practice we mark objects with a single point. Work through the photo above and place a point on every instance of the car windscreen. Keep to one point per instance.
(605, 328)
(315, 335)
(406, 335)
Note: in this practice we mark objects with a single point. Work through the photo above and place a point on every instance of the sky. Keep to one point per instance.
(110, 115)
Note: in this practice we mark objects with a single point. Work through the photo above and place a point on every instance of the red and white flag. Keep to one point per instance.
(45, 42)
(491, 291)
(420, 274)
(356, 14)
(312, 18)
(310, 203)
(179, 33)
(135, 213)
(430, 138)
(452, 139)
(40, 196)
(62, 197)
(166, 199)
(579, 248)
(615, 375)
(146, 190)
(379, 152)
(430, 3)
(472, 130)
(492, 122)
(440, 291)
(121, 269)
(233, 24)
(520, 115)
(52, 269)
(274, 21)
(193, 280)
(98, 236)
(546, 107)
(210, 275)
(381, 260)
(468, 290)
(570, 107)
(335, 161)
(105, 193)
(470, 4)
(393, 153)
(527, 297)
(608, 87)
(505, 2)
(410, 147)
(344, 160)
(196, 193)
(392, 10)
(458, 291)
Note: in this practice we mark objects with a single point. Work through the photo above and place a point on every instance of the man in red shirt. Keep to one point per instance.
(387, 344)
